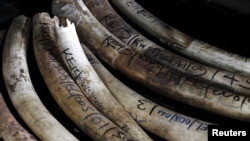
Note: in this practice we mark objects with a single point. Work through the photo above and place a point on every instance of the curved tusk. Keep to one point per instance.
(63, 88)
(102, 10)
(20, 88)
(181, 42)
(149, 73)
(85, 76)
(150, 115)
(10, 128)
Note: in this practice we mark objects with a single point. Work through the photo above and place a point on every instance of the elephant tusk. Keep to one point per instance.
(149, 73)
(90, 83)
(63, 88)
(10, 128)
(150, 115)
(20, 88)
(181, 42)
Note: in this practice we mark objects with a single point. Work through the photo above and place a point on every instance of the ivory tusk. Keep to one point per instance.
(150, 115)
(63, 88)
(182, 42)
(10, 128)
(89, 82)
(104, 13)
(20, 88)
(148, 72)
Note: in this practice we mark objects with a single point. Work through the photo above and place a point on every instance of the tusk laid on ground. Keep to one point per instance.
(150, 115)
(20, 88)
(63, 88)
(10, 128)
(90, 83)
(108, 17)
(138, 67)
(181, 42)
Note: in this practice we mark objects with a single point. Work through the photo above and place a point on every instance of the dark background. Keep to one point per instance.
(225, 26)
